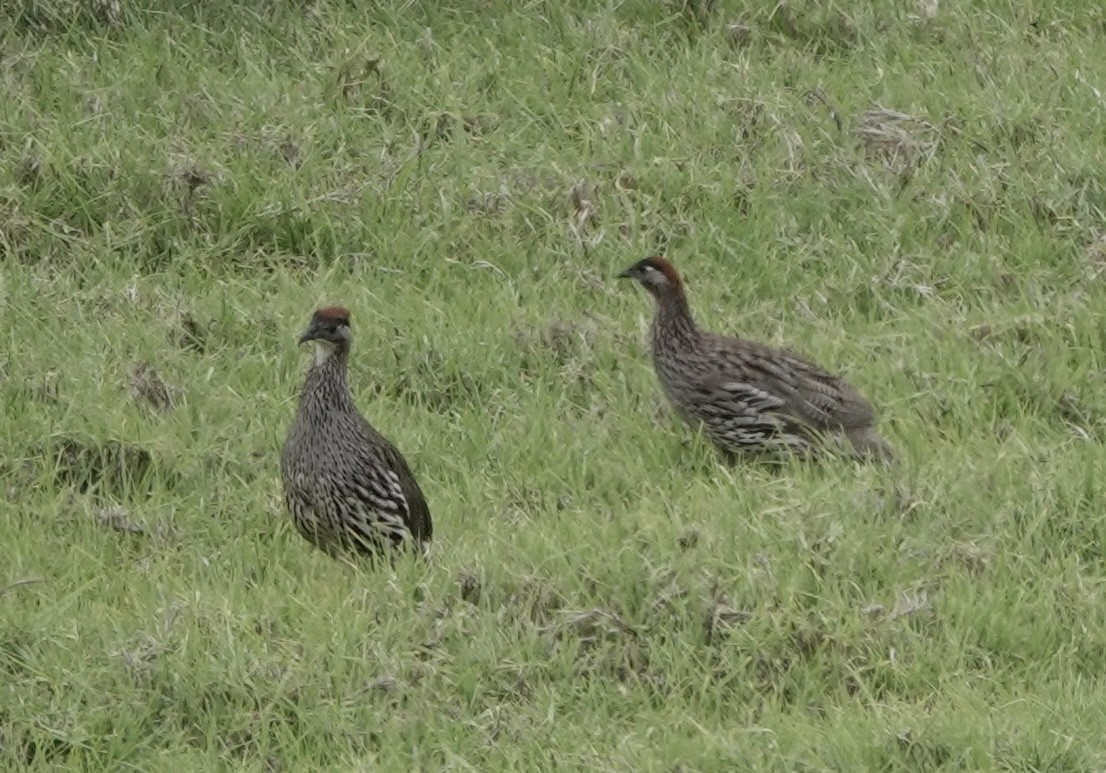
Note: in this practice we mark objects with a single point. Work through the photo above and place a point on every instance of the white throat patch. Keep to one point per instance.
(323, 352)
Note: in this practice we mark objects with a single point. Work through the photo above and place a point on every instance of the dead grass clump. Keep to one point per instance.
(118, 519)
(824, 32)
(360, 83)
(109, 468)
(147, 388)
(900, 141)
(190, 334)
(1095, 255)
(471, 586)
(559, 340)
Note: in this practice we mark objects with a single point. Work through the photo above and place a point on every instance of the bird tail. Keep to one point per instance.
(870, 444)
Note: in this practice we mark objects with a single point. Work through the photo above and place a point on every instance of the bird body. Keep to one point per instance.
(748, 397)
(347, 488)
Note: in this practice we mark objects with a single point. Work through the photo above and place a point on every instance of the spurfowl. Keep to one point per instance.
(346, 487)
(748, 397)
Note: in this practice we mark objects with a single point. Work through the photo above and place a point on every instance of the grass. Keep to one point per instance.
(914, 198)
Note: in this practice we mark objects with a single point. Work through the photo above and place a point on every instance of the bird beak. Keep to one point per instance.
(627, 274)
(308, 335)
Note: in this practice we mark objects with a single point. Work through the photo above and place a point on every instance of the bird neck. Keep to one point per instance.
(673, 319)
(326, 380)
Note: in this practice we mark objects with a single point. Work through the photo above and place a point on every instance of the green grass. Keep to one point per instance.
(180, 188)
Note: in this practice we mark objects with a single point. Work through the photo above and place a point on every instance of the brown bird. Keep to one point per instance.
(748, 397)
(346, 487)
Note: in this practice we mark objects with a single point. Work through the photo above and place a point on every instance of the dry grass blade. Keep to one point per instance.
(21, 583)
(591, 625)
(582, 196)
(722, 617)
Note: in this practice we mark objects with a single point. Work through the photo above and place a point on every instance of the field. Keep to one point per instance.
(911, 194)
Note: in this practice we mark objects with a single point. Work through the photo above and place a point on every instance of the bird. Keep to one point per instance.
(750, 399)
(348, 490)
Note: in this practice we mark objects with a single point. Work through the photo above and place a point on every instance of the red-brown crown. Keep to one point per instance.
(646, 268)
(336, 313)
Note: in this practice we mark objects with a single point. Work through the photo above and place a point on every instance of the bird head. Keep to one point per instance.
(655, 274)
(329, 329)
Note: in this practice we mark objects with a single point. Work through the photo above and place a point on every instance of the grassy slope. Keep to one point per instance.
(181, 190)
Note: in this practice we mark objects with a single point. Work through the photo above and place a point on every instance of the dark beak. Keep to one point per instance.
(308, 335)
(627, 274)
